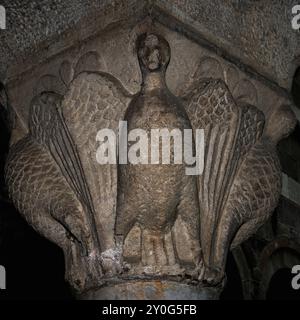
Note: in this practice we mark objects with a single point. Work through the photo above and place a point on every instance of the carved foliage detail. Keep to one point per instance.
(243, 90)
(59, 83)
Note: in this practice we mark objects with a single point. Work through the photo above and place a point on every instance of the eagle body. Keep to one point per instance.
(153, 192)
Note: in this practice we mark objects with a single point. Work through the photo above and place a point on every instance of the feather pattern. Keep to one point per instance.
(96, 101)
(56, 182)
(229, 131)
(48, 127)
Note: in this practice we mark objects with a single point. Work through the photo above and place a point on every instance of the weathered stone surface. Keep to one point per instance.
(113, 48)
(35, 26)
(94, 212)
(260, 32)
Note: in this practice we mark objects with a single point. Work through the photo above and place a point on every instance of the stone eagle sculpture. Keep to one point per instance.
(125, 222)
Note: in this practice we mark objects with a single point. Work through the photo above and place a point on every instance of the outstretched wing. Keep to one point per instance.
(48, 127)
(93, 102)
(226, 125)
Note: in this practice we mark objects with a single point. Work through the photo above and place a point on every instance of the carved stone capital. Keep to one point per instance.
(145, 231)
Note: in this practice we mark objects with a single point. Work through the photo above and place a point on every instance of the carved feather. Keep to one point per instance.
(229, 132)
(93, 102)
(48, 127)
